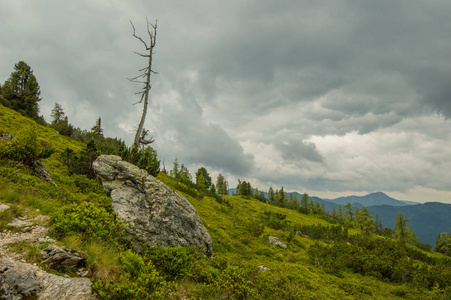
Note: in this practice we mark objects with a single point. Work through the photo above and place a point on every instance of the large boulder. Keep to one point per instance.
(24, 281)
(150, 209)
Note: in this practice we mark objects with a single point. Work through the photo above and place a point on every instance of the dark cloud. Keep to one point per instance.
(300, 93)
(298, 151)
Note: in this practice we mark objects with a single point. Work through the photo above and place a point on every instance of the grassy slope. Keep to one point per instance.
(229, 228)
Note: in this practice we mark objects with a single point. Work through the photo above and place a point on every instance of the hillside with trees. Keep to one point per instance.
(264, 247)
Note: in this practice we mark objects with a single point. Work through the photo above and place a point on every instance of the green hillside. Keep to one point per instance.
(323, 259)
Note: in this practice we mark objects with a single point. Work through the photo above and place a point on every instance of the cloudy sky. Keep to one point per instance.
(331, 98)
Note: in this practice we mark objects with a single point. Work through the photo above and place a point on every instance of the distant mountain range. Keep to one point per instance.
(372, 199)
(426, 220)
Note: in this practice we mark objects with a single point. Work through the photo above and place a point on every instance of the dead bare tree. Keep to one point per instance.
(144, 78)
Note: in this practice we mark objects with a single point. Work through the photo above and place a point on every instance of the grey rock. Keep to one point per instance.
(3, 207)
(276, 241)
(6, 136)
(82, 272)
(59, 258)
(25, 281)
(20, 222)
(263, 268)
(150, 209)
(42, 172)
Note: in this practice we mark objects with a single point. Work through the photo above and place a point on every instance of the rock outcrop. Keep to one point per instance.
(276, 241)
(59, 258)
(24, 281)
(149, 208)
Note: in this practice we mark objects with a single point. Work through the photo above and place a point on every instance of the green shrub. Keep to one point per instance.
(234, 283)
(139, 280)
(88, 219)
(254, 227)
(276, 220)
(81, 162)
(145, 159)
(173, 262)
(25, 147)
(355, 289)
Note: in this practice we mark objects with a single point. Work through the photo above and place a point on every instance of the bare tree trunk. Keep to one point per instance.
(147, 71)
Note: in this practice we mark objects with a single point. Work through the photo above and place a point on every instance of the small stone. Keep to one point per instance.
(82, 272)
(59, 258)
(276, 241)
(3, 207)
(263, 268)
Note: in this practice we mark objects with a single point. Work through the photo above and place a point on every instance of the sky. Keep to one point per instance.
(331, 98)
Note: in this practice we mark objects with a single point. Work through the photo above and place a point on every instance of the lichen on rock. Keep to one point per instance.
(150, 209)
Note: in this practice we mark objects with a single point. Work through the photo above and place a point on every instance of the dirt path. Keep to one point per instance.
(27, 231)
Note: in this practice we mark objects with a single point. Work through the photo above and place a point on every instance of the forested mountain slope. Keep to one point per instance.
(427, 220)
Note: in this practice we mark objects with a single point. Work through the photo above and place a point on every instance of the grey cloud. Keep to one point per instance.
(251, 73)
(297, 151)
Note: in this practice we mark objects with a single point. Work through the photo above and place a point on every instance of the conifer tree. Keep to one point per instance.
(365, 222)
(334, 213)
(175, 170)
(21, 91)
(304, 202)
(184, 175)
(97, 128)
(349, 211)
(271, 195)
(280, 197)
(443, 243)
(221, 185)
(402, 232)
(57, 113)
(340, 213)
(203, 179)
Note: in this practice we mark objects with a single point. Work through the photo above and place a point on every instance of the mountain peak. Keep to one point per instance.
(376, 198)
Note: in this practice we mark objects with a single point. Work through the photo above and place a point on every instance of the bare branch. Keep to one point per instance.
(139, 38)
(146, 142)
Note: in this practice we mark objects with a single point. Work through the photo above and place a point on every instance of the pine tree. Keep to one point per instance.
(221, 185)
(340, 213)
(203, 179)
(21, 91)
(334, 213)
(443, 243)
(60, 122)
(402, 232)
(280, 197)
(97, 129)
(271, 194)
(184, 175)
(365, 221)
(304, 202)
(57, 113)
(349, 211)
(175, 170)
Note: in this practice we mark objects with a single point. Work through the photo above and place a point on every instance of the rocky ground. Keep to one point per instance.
(20, 280)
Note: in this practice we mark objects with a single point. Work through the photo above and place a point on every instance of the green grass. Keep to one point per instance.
(240, 241)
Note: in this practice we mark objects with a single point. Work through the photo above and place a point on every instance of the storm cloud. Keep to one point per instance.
(319, 97)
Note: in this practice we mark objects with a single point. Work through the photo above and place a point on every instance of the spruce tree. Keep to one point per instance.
(21, 91)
